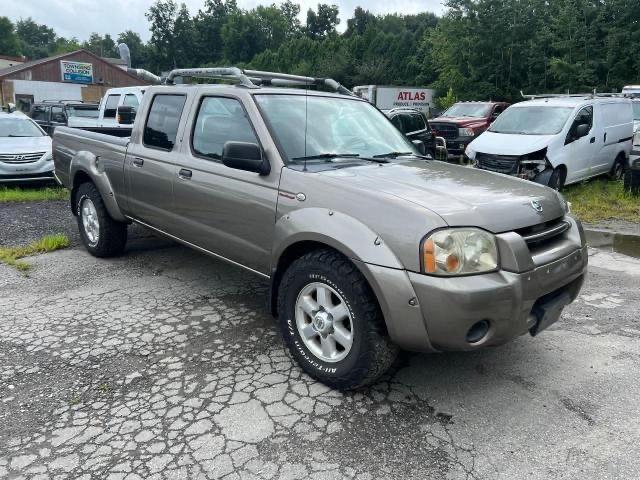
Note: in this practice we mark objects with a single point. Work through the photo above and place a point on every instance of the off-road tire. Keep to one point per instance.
(113, 234)
(372, 352)
(632, 181)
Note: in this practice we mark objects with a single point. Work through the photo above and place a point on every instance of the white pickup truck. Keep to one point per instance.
(107, 118)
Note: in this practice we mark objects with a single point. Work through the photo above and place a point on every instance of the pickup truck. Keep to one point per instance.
(108, 120)
(461, 123)
(369, 246)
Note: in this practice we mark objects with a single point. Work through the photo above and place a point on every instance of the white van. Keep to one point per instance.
(114, 98)
(558, 140)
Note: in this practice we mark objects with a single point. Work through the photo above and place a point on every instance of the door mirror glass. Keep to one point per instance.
(245, 156)
(125, 114)
(420, 146)
(582, 130)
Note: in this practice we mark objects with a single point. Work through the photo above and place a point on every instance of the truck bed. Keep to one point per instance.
(70, 143)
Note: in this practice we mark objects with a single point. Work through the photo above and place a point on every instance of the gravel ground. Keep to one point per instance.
(164, 363)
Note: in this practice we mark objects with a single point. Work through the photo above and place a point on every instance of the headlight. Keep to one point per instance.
(459, 251)
(48, 156)
(467, 132)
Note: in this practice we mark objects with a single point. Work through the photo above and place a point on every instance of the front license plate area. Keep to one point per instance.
(547, 311)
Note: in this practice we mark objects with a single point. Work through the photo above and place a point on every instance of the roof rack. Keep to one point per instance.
(255, 78)
(576, 95)
(64, 101)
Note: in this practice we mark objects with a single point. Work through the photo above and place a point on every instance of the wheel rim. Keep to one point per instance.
(324, 322)
(618, 172)
(90, 222)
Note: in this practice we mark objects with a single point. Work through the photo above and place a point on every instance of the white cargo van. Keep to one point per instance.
(107, 118)
(558, 140)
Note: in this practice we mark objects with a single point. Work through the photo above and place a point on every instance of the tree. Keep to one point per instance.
(37, 41)
(208, 24)
(162, 16)
(323, 22)
(137, 49)
(101, 46)
(9, 41)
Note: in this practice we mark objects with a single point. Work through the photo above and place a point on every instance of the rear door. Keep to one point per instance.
(150, 162)
(226, 211)
(615, 130)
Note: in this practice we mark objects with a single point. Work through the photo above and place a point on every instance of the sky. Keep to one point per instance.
(79, 18)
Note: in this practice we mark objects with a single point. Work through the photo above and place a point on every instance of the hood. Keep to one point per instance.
(508, 144)
(461, 121)
(461, 196)
(25, 144)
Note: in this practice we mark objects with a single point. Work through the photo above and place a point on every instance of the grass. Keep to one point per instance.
(12, 255)
(599, 200)
(17, 194)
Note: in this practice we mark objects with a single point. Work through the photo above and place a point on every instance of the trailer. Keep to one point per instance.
(387, 97)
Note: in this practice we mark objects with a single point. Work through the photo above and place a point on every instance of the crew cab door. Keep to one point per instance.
(226, 211)
(579, 153)
(150, 162)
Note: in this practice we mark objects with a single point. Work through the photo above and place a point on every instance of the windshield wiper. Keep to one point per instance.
(18, 136)
(327, 156)
(393, 154)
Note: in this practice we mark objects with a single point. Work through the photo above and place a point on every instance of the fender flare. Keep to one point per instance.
(89, 164)
(344, 233)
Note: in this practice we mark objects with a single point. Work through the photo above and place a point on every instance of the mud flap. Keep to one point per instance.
(548, 311)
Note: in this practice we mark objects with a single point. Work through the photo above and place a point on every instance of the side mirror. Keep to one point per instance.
(582, 130)
(494, 115)
(245, 156)
(419, 144)
(125, 114)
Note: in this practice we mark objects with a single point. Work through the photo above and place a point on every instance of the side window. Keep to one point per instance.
(130, 100)
(220, 120)
(497, 111)
(162, 123)
(40, 113)
(584, 116)
(110, 106)
(398, 123)
(418, 122)
(58, 115)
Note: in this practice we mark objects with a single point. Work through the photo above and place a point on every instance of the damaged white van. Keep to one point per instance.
(558, 140)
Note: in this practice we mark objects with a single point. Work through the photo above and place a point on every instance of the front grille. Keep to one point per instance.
(448, 131)
(498, 163)
(543, 233)
(20, 157)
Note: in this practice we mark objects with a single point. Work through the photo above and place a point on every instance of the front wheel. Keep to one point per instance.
(101, 235)
(617, 170)
(331, 322)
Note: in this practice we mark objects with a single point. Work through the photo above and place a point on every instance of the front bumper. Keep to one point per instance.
(457, 146)
(24, 172)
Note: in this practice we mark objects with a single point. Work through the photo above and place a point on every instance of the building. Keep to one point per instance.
(7, 61)
(79, 75)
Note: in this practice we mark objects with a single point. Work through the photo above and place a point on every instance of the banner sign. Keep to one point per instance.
(76, 72)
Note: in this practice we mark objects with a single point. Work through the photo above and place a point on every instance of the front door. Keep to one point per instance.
(226, 211)
(580, 151)
(150, 163)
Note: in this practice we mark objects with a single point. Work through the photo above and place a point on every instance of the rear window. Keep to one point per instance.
(130, 100)
(111, 105)
(161, 128)
(40, 113)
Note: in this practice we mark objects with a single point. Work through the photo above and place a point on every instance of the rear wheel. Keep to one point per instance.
(101, 235)
(617, 170)
(331, 322)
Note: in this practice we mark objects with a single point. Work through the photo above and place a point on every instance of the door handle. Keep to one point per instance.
(593, 140)
(185, 174)
(605, 136)
(138, 162)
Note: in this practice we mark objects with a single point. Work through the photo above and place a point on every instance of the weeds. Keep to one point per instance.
(12, 255)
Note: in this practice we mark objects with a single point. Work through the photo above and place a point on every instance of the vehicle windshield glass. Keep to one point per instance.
(313, 125)
(83, 112)
(636, 111)
(532, 120)
(478, 110)
(19, 127)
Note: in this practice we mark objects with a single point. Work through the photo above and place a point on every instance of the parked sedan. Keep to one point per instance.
(25, 150)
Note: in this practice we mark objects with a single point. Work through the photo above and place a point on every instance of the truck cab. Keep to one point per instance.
(463, 122)
(107, 117)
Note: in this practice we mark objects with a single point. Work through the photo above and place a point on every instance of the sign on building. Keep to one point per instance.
(76, 72)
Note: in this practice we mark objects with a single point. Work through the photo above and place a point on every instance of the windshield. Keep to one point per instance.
(636, 111)
(19, 127)
(333, 126)
(84, 112)
(532, 120)
(478, 110)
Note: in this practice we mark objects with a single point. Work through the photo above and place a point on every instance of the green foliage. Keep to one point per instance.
(448, 100)
(9, 41)
(12, 255)
(602, 199)
(17, 194)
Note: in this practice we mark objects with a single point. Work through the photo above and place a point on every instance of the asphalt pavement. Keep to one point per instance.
(165, 363)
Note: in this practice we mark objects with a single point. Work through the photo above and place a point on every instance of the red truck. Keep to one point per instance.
(464, 121)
